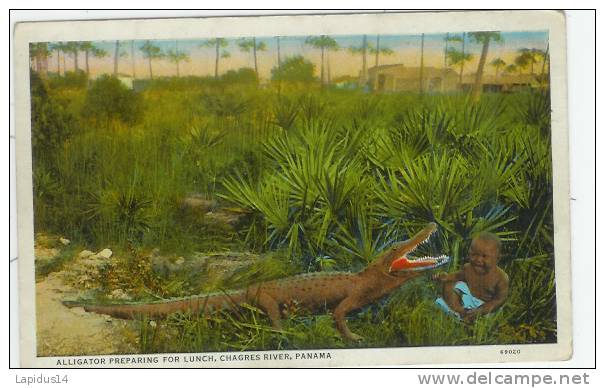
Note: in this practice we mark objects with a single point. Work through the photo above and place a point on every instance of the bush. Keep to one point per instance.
(71, 79)
(294, 69)
(109, 99)
(51, 123)
(243, 76)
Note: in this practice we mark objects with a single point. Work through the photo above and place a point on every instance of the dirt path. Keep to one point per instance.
(66, 332)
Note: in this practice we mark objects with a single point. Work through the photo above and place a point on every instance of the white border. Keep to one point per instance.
(303, 25)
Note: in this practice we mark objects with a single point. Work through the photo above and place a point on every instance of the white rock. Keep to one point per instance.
(119, 294)
(105, 253)
(85, 253)
(64, 241)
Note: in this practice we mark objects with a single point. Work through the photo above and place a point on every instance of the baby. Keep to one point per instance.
(481, 286)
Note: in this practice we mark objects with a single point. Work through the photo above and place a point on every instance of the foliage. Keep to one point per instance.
(51, 122)
(108, 100)
(294, 69)
(242, 76)
(71, 79)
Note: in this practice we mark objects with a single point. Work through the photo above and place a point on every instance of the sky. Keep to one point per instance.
(406, 51)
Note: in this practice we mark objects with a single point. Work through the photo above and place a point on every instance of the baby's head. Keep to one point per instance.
(484, 252)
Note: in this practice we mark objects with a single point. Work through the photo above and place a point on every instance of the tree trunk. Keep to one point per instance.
(76, 68)
(377, 48)
(329, 75)
(278, 54)
(178, 71)
(86, 53)
(134, 74)
(364, 65)
(58, 63)
(64, 65)
(447, 36)
(322, 66)
(45, 64)
(216, 63)
(115, 59)
(477, 86)
(150, 69)
(544, 65)
(463, 59)
(421, 63)
(37, 62)
(254, 52)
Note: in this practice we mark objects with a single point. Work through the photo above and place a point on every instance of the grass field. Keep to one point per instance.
(324, 179)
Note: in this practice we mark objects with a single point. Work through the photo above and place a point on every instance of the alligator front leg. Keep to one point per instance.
(271, 307)
(340, 317)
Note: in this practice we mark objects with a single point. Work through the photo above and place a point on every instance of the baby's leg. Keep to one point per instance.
(445, 308)
(452, 298)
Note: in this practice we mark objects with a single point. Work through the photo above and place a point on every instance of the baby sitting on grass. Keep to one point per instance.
(481, 286)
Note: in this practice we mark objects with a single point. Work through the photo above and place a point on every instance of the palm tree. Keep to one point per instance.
(39, 53)
(484, 38)
(458, 58)
(134, 74)
(543, 79)
(421, 63)
(363, 50)
(151, 52)
(497, 63)
(99, 52)
(64, 50)
(57, 48)
(116, 56)
(511, 69)
(531, 56)
(73, 48)
(87, 47)
(177, 56)
(322, 42)
(444, 72)
(376, 51)
(247, 45)
(522, 61)
(331, 48)
(219, 44)
(278, 53)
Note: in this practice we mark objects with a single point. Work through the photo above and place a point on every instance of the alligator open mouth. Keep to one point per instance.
(418, 264)
(406, 262)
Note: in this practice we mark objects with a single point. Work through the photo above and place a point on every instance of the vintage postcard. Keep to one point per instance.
(293, 191)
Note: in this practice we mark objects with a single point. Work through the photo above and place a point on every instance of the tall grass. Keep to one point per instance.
(326, 178)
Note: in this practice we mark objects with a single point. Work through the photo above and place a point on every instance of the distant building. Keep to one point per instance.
(126, 80)
(504, 83)
(400, 78)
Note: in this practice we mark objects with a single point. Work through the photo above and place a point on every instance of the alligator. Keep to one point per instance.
(339, 292)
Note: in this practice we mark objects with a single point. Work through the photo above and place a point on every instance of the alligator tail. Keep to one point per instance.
(199, 304)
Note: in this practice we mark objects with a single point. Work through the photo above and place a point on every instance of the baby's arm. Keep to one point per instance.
(449, 277)
(449, 294)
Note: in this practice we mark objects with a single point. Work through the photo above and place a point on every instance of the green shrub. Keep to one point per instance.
(70, 80)
(294, 69)
(108, 99)
(243, 76)
(51, 123)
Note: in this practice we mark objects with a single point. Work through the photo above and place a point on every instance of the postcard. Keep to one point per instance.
(293, 191)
